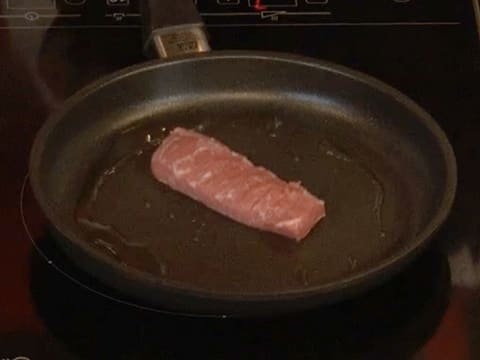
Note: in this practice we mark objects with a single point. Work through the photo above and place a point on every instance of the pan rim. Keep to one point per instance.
(386, 267)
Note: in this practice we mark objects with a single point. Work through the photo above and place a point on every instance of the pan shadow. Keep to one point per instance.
(390, 322)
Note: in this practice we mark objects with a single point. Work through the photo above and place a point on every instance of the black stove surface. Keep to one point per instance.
(49, 309)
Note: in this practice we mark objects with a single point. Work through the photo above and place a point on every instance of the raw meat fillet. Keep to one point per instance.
(209, 172)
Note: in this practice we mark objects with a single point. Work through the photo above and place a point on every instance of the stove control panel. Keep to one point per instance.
(232, 13)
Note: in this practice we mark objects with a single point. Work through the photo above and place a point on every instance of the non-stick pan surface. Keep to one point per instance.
(384, 168)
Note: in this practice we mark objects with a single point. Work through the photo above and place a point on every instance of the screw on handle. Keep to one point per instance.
(173, 27)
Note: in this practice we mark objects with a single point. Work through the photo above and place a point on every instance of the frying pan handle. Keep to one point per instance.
(173, 27)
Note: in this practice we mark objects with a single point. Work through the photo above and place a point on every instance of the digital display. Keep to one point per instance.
(272, 3)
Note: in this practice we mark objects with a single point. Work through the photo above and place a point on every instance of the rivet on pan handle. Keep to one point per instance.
(173, 27)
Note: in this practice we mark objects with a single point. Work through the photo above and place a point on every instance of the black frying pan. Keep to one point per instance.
(384, 167)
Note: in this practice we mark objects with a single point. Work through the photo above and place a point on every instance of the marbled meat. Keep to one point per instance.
(209, 172)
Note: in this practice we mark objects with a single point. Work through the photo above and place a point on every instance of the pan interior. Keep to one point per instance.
(131, 217)
(377, 184)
